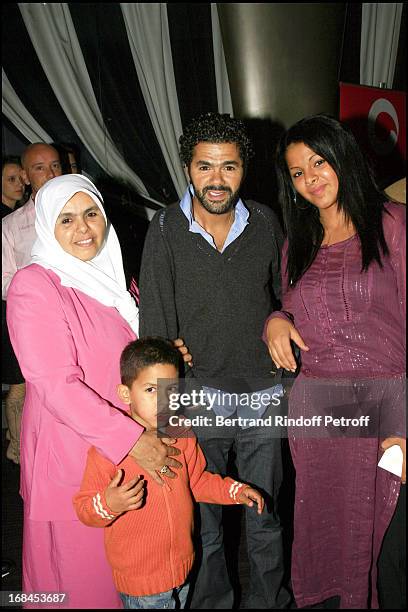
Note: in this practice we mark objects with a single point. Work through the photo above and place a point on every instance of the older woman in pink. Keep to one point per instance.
(70, 316)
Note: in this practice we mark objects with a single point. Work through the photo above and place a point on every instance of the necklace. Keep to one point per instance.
(220, 236)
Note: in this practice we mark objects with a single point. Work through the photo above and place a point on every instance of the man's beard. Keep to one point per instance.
(217, 208)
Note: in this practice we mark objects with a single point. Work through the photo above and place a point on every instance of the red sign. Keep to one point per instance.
(377, 118)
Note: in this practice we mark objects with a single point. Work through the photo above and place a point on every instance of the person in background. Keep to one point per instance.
(12, 184)
(343, 283)
(40, 162)
(148, 535)
(397, 192)
(70, 316)
(210, 273)
(70, 157)
(12, 188)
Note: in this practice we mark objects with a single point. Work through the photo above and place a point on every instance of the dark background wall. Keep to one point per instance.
(284, 60)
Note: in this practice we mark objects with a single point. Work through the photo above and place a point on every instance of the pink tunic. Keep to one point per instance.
(354, 325)
(68, 346)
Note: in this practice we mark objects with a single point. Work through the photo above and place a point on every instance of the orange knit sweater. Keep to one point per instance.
(150, 550)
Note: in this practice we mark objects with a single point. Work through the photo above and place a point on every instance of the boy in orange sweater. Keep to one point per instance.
(148, 535)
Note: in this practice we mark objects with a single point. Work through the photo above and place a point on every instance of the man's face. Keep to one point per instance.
(41, 164)
(216, 172)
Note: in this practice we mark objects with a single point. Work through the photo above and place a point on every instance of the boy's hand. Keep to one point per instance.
(129, 496)
(248, 496)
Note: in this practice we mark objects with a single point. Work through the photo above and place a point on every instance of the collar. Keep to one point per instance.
(186, 205)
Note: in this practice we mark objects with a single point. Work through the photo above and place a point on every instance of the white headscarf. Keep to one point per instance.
(103, 277)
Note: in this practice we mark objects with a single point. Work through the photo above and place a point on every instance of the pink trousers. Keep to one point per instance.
(67, 557)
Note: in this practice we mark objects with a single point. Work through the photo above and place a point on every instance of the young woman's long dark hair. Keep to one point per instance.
(358, 197)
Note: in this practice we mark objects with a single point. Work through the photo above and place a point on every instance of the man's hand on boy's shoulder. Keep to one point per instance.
(185, 353)
(247, 496)
(123, 497)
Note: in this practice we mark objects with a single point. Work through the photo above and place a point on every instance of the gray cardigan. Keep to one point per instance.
(217, 302)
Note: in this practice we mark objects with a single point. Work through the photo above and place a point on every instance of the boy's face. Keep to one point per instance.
(148, 395)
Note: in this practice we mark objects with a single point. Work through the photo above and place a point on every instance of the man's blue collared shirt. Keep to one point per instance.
(240, 221)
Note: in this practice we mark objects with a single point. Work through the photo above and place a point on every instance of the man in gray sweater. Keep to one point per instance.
(210, 275)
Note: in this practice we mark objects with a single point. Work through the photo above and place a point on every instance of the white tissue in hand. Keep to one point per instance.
(392, 460)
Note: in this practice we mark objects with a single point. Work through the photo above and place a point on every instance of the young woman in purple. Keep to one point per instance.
(343, 279)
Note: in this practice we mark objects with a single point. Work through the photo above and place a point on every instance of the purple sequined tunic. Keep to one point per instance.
(353, 323)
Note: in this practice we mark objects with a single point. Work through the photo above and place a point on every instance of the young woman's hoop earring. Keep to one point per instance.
(297, 205)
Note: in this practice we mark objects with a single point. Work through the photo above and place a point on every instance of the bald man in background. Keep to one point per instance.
(40, 162)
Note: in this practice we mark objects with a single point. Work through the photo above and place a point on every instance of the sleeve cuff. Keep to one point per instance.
(235, 488)
(101, 508)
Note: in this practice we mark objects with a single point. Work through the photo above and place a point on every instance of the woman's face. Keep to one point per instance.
(312, 176)
(12, 184)
(80, 227)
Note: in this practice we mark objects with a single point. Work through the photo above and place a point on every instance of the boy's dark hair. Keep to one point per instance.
(213, 127)
(145, 352)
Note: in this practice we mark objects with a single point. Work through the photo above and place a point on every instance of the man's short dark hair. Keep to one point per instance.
(213, 127)
(145, 352)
